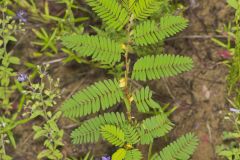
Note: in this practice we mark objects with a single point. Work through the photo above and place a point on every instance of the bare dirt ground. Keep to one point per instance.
(200, 95)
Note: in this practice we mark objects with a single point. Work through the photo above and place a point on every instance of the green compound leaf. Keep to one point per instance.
(145, 8)
(131, 134)
(154, 127)
(101, 49)
(101, 95)
(144, 101)
(111, 12)
(119, 154)
(113, 134)
(89, 131)
(133, 154)
(181, 149)
(128, 4)
(156, 67)
(149, 32)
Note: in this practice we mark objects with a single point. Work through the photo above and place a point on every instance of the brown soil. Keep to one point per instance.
(200, 95)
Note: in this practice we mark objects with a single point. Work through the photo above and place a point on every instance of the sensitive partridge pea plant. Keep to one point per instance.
(131, 17)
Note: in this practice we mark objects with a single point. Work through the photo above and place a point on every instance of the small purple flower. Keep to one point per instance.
(22, 77)
(106, 158)
(21, 15)
(235, 110)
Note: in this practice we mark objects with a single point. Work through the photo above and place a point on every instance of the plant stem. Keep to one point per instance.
(150, 151)
(127, 69)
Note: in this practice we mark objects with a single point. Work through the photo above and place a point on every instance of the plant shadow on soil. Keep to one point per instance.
(200, 95)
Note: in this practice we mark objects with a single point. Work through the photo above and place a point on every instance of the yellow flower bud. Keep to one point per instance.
(122, 83)
(129, 146)
(124, 46)
(131, 99)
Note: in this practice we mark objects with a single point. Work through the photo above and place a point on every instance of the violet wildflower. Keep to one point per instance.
(106, 158)
(235, 110)
(21, 15)
(22, 77)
